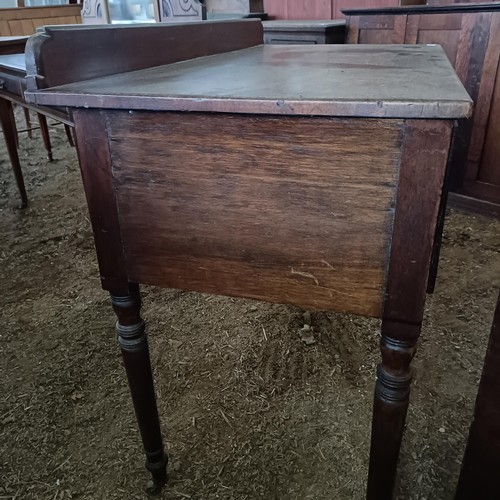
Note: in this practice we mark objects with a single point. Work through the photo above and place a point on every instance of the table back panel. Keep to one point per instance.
(136, 47)
(305, 223)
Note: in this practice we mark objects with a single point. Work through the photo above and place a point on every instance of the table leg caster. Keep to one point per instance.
(156, 463)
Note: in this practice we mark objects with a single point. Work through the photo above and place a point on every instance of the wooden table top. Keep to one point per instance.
(405, 81)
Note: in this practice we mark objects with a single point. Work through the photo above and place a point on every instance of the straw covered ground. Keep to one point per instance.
(247, 409)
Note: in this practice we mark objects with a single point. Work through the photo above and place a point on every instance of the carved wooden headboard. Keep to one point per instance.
(182, 10)
(95, 12)
(98, 11)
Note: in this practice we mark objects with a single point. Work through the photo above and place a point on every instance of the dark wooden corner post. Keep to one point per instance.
(479, 476)
(417, 203)
(95, 164)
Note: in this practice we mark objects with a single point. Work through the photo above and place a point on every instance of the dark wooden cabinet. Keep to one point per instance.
(304, 32)
(324, 9)
(470, 36)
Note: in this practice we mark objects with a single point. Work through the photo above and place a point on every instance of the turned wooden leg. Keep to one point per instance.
(134, 347)
(45, 135)
(392, 393)
(10, 134)
(69, 135)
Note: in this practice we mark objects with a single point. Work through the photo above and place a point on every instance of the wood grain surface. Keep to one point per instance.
(334, 80)
(266, 208)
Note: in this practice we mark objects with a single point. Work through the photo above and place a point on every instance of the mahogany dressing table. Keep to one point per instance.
(293, 174)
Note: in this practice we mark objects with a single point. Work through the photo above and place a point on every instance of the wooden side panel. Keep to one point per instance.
(380, 29)
(376, 36)
(490, 161)
(450, 21)
(246, 212)
(448, 39)
(479, 477)
(441, 29)
(483, 165)
(376, 22)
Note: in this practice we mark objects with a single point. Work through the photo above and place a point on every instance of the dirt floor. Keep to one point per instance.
(248, 410)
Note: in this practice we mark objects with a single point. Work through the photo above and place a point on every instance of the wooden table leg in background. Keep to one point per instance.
(438, 235)
(134, 346)
(411, 248)
(27, 119)
(45, 135)
(69, 135)
(10, 134)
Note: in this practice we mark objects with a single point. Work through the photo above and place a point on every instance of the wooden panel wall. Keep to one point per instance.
(25, 20)
(325, 9)
(471, 41)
